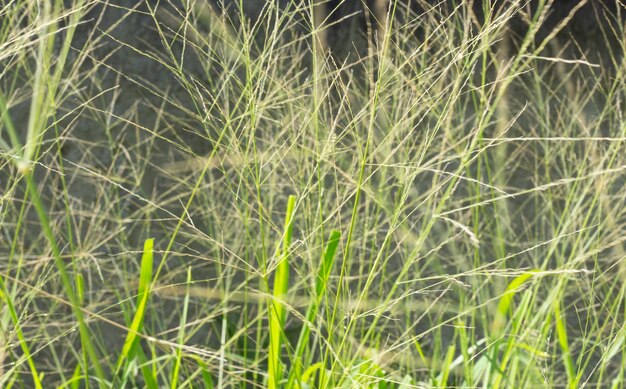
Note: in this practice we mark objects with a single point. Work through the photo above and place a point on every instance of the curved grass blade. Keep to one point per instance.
(504, 305)
(499, 322)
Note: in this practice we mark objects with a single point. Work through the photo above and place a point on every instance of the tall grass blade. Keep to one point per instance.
(504, 305)
(442, 380)
(321, 282)
(145, 279)
(85, 335)
(276, 307)
(499, 322)
(20, 335)
(561, 334)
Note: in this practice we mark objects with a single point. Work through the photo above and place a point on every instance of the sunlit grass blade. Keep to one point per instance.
(442, 379)
(321, 282)
(76, 378)
(145, 278)
(504, 350)
(561, 334)
(20, 335)
(275, 307)
(504, 305)
(74, 382)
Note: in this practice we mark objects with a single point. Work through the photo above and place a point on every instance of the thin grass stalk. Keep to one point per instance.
(85, 334)
(20, 335)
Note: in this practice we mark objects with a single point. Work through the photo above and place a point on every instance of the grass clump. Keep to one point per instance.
(432, 202)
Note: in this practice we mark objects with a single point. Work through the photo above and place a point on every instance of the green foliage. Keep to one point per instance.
(276, 307)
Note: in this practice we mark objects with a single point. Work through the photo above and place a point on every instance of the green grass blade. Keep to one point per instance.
(145, 272)
(75, 381)
(85, 335)
(76, 378)
(8, 123)
(80, 287)
(20, 335)
(323, 274)
(442, 380)
(276, 307)
(147, 372)
(321, 282)
(504, 305)
(499, 322)
(145, 278)
(561, 334)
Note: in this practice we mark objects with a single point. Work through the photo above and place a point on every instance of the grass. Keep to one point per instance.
(276, 308)
(196, 198)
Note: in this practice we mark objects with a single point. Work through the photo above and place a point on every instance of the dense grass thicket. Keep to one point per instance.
(191, 198)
